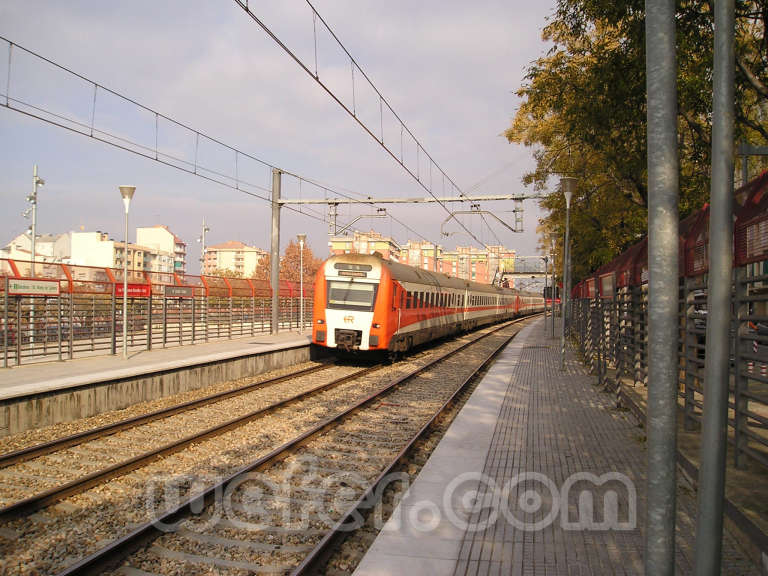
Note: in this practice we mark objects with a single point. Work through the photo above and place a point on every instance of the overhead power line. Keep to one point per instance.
(161, 128)
(374, 124)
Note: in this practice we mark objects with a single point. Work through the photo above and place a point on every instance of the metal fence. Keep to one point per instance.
(62, 311)
(609, 318)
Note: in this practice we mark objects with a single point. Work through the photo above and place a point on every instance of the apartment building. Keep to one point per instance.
(48, 248)
(234, 256)
(161, 239)
(366, 243)
(98, 249)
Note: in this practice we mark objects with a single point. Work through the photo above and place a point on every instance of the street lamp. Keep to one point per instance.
(32, 199)
(568, 185)
(127, 193)
(201, 239)
(301, 238)
(554, 288)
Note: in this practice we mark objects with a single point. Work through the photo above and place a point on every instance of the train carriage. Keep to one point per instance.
(366, 303)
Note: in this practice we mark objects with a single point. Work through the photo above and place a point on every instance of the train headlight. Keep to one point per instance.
(377, 325)
(320, 321)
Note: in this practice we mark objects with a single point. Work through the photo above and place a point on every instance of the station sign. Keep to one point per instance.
(179, 292)
(134, 290)
(24, 287)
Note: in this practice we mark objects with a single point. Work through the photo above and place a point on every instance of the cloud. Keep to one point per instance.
(448, 68)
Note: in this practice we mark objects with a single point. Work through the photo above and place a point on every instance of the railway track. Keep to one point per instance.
(95, 460)
(310, 419)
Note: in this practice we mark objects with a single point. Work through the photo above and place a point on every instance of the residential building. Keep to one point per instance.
(162, 239)
(48, 248)
(98, 249)
(234, 256)
(421, 254)
(366, 243)
(478, 264)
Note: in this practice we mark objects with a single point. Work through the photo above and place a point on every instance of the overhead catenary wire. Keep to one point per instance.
(72, 124)
(234, 181)
(244, 4)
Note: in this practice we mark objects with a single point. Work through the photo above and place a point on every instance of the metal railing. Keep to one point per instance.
(85, 317)
(609, 312)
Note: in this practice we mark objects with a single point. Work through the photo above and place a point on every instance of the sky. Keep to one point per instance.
(449, 69)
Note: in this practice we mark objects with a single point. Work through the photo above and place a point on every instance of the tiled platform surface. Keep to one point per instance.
(529, 417)
(47, 376)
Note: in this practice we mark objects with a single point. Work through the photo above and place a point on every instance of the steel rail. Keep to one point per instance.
(116, 551)
(37, 450)
(320, 554)
(83, 483)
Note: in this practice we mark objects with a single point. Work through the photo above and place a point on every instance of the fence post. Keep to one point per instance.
(230, 315)
(165, 320)
(93, 323)
(149, 320)
(194, 321)
(206, 301)
(5, 324)
(58, 302)
(740, 402)
(18, 330)
(114, 321)
(690, 354)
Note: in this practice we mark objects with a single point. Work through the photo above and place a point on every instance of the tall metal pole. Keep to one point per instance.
(127, 193)
(554, 289)
(36, 181)
(567, 184)
(274, 277)
(709, 522)
(202, 246)
(302, 238)
(661, 74)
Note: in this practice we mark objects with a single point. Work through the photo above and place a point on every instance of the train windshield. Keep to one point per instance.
(351, 295)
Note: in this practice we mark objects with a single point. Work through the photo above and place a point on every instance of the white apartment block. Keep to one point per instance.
(234, 256)
(163, 240)
(48, 248)
(98, 249)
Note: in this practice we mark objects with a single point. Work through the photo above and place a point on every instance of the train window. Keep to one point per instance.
(402, 298)
(351, 295)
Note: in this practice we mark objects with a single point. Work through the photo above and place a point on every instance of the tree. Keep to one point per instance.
(584, 113)
(225, 273)
(289, 264)
(263, 269)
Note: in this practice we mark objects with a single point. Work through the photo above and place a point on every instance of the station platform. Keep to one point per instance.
(43, 393)
(539, 473)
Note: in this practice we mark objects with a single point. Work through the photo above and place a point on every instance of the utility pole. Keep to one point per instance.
(32, 199)
(714, 425)
(274, 277)
(663, 288)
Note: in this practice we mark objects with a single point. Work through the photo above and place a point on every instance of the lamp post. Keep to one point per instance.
(567, 184)
(301, 238)
(554, 288)
(201, 239)
(127, 193)
(32, 199)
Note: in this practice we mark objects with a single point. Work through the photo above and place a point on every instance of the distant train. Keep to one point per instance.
(366, 303)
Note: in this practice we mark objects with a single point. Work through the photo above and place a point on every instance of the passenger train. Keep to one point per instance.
(363, 302)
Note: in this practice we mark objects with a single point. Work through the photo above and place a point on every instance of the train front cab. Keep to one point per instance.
(349, 310)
